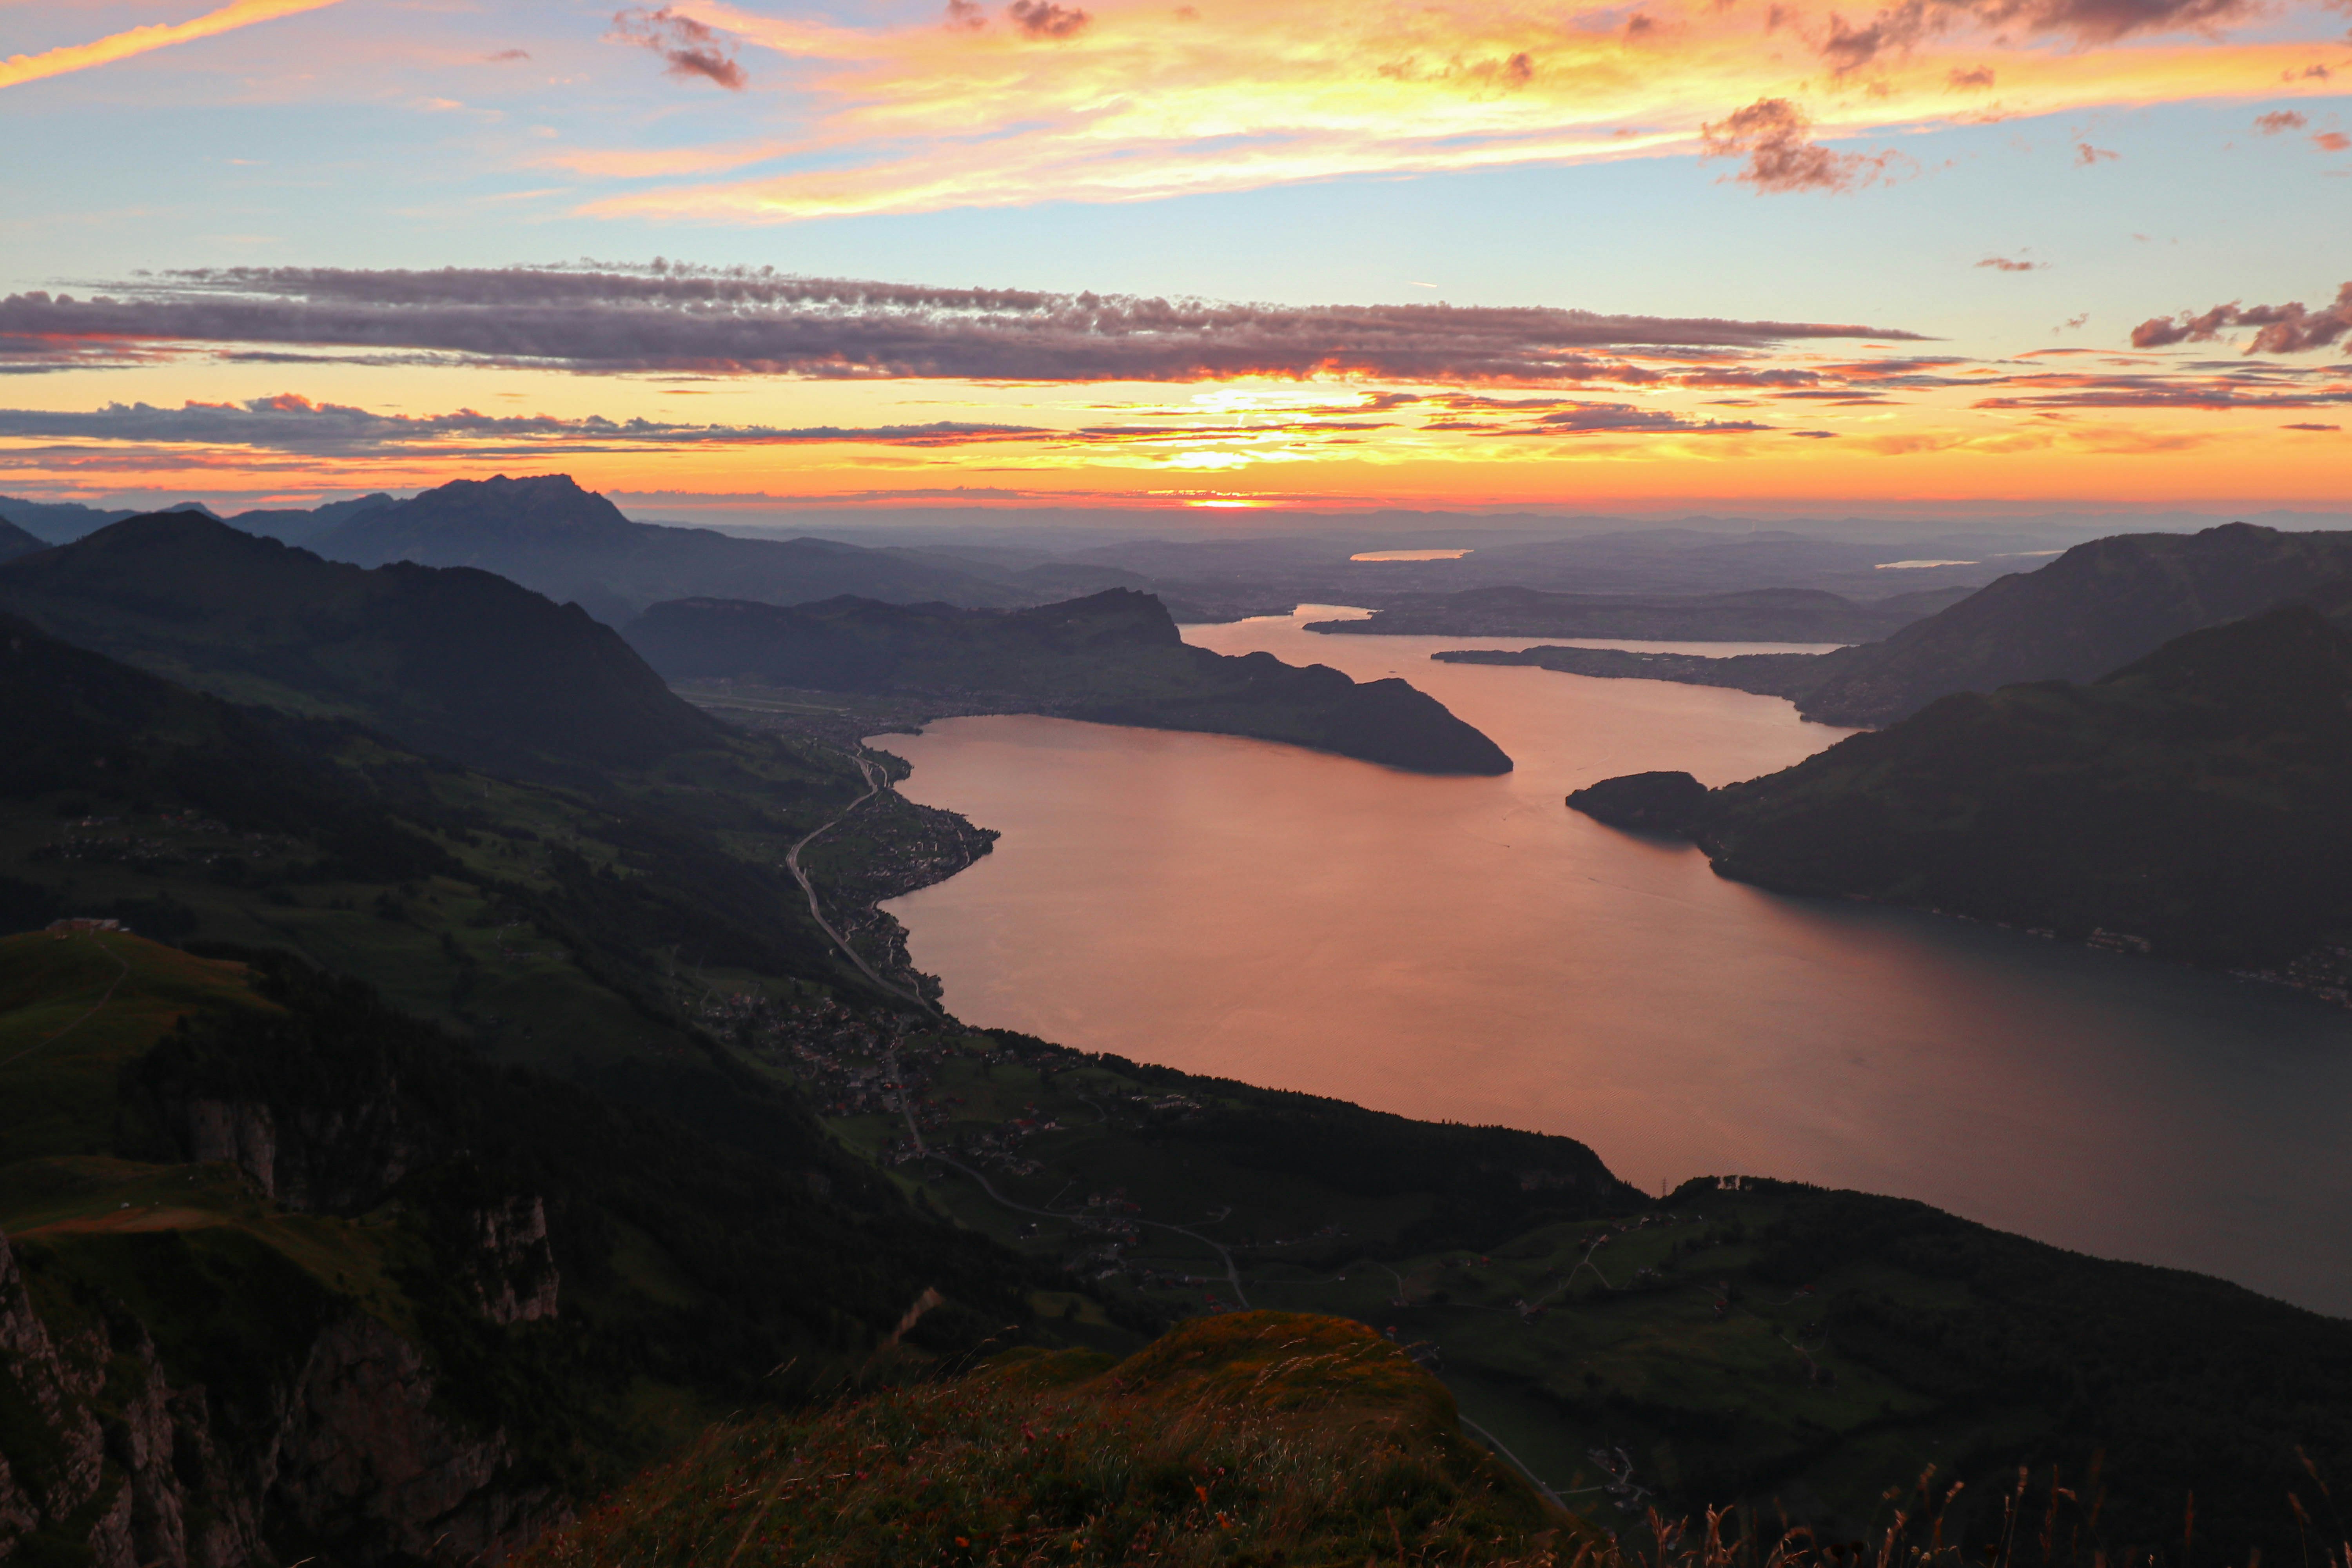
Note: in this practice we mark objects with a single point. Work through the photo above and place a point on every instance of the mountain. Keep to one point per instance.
(1760, 615)
(15, 542)
(298, 526)
(457, 662)
(495, 907)
(1115, 657)
(2094, 608)
(59, 522)
(607, 1151)
(571, 545)
(2097, 607)
(2190, 805)
(287, 1275)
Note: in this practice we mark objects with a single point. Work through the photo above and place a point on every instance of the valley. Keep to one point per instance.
(578, 1072)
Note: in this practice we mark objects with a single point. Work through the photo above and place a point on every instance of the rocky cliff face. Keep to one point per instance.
(103, 1456)
(516, 1279)
(334, 1157)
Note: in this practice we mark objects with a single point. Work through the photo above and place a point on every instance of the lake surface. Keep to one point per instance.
(1470, 949)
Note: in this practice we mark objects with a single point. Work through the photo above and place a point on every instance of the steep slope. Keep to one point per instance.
(1762, 614)
(2094, 609)
(56, 522)
(15, 542)
(2190, 805)
(457, 662)
(543, 924)
(571, 545)
(287, 1274)
(1115, 657)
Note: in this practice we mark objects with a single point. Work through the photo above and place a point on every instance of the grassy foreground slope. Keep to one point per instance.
(1258, 1438)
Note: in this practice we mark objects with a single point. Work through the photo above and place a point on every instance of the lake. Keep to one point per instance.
(1471, 950)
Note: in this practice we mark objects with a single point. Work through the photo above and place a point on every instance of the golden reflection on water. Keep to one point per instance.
(1470, 949)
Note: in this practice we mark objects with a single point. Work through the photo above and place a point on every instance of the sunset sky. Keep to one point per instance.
(1661, 256)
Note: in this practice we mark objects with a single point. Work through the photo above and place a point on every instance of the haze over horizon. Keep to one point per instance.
(1945, 258)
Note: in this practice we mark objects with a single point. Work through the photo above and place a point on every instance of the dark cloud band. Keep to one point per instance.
(661, 319)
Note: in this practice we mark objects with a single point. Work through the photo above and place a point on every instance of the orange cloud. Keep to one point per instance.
(17, 69)
(1140, 105)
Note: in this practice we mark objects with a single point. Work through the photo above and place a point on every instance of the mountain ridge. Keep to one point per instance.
(448, 659)
(2094, 609)
(550, 535)
(2184, 806)
(1113, 657)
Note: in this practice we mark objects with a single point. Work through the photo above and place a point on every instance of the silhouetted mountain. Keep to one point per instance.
(2097, 607)
(459, 662)
(15, 542)
(296, 526)
(1758, 614)
(1115, 657)
(59, 522)
(548, 534)
(2191, 805)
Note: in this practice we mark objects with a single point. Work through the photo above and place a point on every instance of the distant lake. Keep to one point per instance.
(1469, 948)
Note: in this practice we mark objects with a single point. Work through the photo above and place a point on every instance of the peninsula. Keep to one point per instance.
(1115, 657)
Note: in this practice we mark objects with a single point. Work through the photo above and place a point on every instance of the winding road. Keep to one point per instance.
(876, 780)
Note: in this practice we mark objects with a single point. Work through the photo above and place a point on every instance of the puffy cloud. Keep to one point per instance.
(2332, 142)
(965, 16)
(1044, 19)
(2276, 124)
(2003, 264)
(1772, 134)
(690, 47)
(2280, 329)
(743, 323)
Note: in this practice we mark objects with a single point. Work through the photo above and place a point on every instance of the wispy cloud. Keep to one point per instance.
(17, 69)
(291, 423)
(745, 323)
(994, 107)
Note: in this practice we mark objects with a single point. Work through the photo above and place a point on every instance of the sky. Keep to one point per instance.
(1666, 256)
